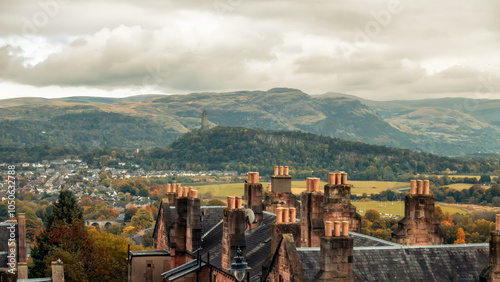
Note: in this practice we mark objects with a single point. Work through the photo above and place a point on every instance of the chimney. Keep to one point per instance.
(420, 187)
(331, 179)
(179, 191)
(419, 226)
(336, 254)
(281, 183)
(269, 187)
(413, 187)
(22, 270)
(311, 222)
(238, 203)
(293, 215)
(187, 227)
(492, 271)
(22, 237)
(338, 178)
(426, 187)
(286, 170)
(57, 271)
(193, 226)
(337, 202)
(286, 215)
(171, 194)
(233, 232)
(344, 177)
(276, 170)
(285, 223)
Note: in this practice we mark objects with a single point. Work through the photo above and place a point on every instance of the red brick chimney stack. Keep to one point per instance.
(336, 254)
(419, 226)
(311, 222)
(22, 266)
(253, 197)
(233, 231)
(337, 201)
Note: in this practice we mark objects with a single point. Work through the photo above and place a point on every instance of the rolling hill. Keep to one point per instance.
(156, 120)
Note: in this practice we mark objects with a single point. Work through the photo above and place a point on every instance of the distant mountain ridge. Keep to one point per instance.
(157, 120)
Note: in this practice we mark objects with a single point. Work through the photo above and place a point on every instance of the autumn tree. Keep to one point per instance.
(116, 248)
(129, 213)
(460, 236)
(142, 219)
(372, 215)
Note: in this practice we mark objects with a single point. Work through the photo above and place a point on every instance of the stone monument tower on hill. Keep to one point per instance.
(204, 120)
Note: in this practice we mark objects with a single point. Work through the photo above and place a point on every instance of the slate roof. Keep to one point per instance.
(362, 240)
(183, 270)
(403, 263)
(258, 245)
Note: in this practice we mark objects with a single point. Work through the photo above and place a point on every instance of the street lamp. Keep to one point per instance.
(238, 267)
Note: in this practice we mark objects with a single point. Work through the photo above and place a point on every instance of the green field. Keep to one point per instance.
(457, 176)
(462, 186)
(394, 208)
(358, 187)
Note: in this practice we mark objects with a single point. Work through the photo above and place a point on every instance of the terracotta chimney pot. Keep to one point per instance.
(331, 178)
(328, 228)
(169, 188)
(281, 170)
(315, 182)
(420, 187)
(336, 229)
(256, 177)
(279, 215)
(238, 202)
(286, 215)
(185, 192)
(269, 187)
(344, 177)
(338, 178)
(195, 194)
(276, 170)
(345, 228)
(179, 192)
(231, 202)
(413, 187)
(426, 187)
(286, 170)
(293, 215)
(498, 223)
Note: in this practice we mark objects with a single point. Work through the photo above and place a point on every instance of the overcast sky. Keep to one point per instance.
(373, 49)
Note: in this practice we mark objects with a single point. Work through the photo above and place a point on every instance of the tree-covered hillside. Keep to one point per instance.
(241, 149)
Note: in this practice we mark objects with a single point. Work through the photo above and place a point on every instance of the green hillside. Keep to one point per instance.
(241, 149)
